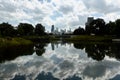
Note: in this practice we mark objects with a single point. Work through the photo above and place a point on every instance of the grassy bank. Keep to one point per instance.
(45, 38)
(72, 38)
(31, 39)
(87, 38)
(4, 42)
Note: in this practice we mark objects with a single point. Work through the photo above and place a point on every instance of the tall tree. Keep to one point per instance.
(96, 27)
(6, 29)
(117, 27)
(39, 30)
(110, 28)
(25, 29)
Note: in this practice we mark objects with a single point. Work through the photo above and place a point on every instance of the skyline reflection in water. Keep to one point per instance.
(68, 61)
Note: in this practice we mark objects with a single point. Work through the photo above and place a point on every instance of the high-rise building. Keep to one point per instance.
(89, 20)
(52, 29)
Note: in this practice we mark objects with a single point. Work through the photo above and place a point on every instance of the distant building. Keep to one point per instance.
(62, 31)
(55, 31)
(52, 29)
(89, 20)
(69, 31)
(15, 28)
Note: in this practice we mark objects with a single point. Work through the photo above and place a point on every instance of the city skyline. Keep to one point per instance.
(64, 14)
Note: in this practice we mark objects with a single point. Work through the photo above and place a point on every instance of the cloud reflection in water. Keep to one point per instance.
(60, 63)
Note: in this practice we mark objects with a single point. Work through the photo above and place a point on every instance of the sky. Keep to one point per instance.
(63, 14)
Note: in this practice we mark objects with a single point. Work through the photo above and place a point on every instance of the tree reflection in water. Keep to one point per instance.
(10, 53)
(97, 51)
(39, 48)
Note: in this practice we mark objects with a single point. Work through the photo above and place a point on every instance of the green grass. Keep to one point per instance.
(88, 38)
(45, 38)
(4, 42)
(28, 39)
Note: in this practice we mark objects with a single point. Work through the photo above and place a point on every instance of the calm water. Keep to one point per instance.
(61, 61)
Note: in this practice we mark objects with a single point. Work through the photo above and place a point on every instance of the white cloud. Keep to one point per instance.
(100, 6)
(112, 16)
(66, 8)
(61, 13)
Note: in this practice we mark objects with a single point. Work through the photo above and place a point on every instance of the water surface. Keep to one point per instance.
(61, 61)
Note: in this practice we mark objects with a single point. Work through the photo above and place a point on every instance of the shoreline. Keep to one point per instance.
(27, 40)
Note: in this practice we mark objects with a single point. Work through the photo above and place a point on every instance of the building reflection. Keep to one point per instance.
(58, 44)
(52, 46)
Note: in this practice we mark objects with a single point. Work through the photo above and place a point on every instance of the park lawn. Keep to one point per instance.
(5, 42)
(89, 38)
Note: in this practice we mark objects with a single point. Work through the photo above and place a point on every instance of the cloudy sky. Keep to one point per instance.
(62, 13)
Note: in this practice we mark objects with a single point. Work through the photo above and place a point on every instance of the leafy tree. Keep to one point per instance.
(6, 29)
(117, 27)
(96, 27)
(110, 28)
(39, 30)
(79, 31)
(25, 29)
(113, 28)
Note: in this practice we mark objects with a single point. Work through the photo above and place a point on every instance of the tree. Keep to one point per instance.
(79, 31)
(110, 28)
(6, 29)
(39, 30)
(117, 27)
(25, 29)
(96, 27)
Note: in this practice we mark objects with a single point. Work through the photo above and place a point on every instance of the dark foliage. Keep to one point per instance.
(39, 30)
(79, 31)
(6, 29)
(25, 29)
(96, 27)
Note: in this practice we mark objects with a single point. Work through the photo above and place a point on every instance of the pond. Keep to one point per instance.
(61, 61)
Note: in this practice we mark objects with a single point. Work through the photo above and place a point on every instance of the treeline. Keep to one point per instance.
(99, 27)
(23, 29)
(96, 27)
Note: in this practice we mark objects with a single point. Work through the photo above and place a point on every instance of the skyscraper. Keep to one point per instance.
(89, 20)
(52, 29)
